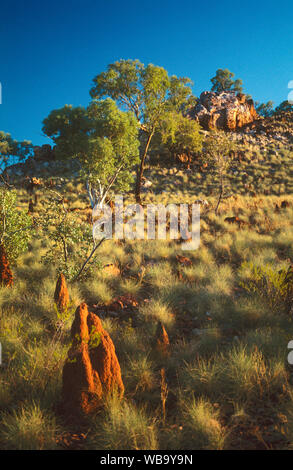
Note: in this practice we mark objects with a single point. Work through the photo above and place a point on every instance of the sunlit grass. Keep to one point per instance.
(30, 428)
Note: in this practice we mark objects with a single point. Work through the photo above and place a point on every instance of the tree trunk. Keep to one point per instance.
(141, 169)
(220, 195)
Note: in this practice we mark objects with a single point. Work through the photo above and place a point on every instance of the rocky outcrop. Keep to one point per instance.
(226, 110)
(61, 296)
(91, 370)
(6, 277)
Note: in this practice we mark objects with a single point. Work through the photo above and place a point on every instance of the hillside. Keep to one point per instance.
(222, 380)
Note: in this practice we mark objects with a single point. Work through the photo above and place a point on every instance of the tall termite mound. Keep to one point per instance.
(162, 340)
(6, 276)
(61, 296)
(91, 371)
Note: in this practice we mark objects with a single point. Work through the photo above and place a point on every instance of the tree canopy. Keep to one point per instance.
(147, 91)
(284, 106)
(265, 109)
(69, 128)
(102, 137)
(223, 81)
(11, 148)
(180, 135)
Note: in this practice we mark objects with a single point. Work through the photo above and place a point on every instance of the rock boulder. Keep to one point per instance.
(225, 110)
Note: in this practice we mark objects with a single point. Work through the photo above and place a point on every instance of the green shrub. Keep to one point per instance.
(15, 225)
(275, 287)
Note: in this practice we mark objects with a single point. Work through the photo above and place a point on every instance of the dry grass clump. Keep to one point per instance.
(29, 428)
(123, 426)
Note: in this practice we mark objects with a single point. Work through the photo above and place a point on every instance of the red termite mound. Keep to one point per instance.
(61, 295)
(91, 370)
(162, 340)
(6, 277)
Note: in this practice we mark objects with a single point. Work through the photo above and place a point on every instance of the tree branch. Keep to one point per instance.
(89, 258)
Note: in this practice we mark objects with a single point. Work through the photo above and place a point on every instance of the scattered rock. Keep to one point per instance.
(123, 302)
(6, 276)
(184, 260)
(235, 220)
(112, 270)
(91, 371)
(203, 202)
(61, 296)
(285, 204)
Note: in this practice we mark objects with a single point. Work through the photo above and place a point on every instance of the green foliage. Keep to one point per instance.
(92, 341)
(63, 317)
(103, 138)
(15, 225)
(148, 92)
(69, 129)
(12, 148)
(265, 109)
(113, 144)
(284, 106)
(179, 134)
(274, 287)
(217, 149)
(69, 240)
(121, 82)
(223, 81)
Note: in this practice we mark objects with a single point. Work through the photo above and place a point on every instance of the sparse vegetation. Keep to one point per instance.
(221, 378)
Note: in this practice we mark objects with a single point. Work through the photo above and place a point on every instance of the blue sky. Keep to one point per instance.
(51, 51)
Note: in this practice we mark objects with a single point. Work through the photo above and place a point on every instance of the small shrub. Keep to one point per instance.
(275, 287)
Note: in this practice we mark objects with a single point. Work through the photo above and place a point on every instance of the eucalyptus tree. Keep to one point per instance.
(149, 93)
(102, 138)
(265, 109)
(218, 151)
(104, 141)
(224, 81)
(284, 106)
(180, 135)
(11, 150)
